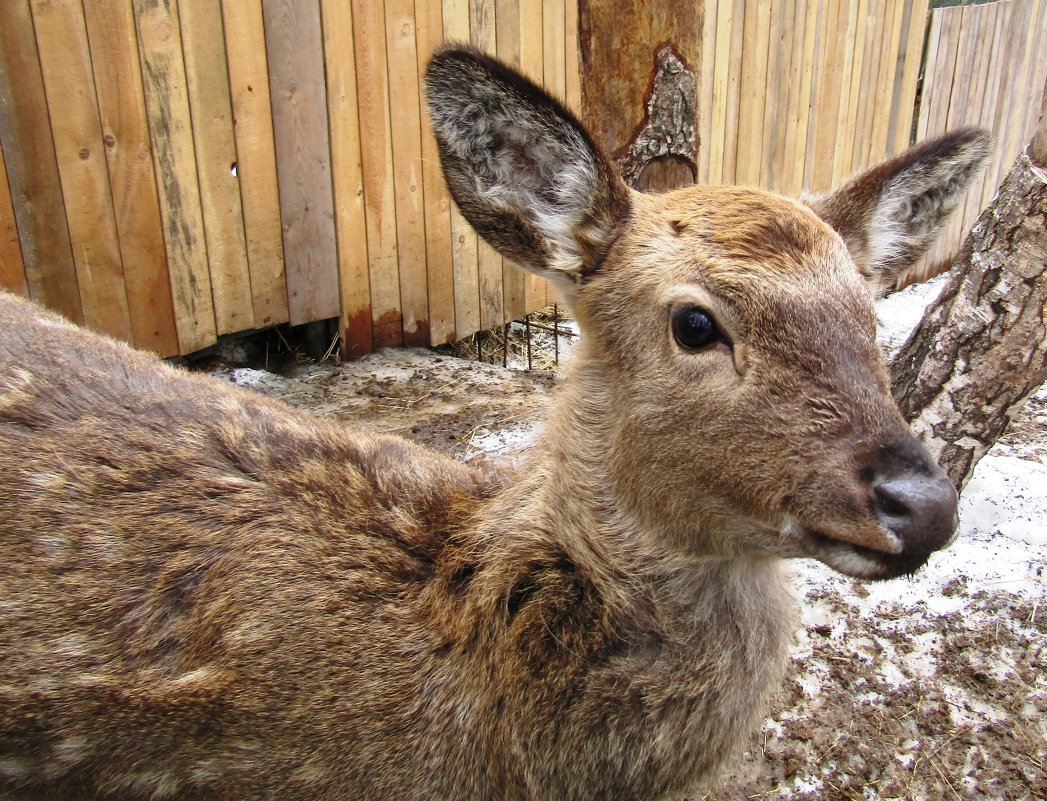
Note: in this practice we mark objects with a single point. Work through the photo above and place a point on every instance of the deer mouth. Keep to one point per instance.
(861, 562)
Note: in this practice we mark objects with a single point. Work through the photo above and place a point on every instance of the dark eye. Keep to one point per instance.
(694, 328)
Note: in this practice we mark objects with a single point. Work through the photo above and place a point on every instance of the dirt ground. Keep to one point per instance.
(931, 688)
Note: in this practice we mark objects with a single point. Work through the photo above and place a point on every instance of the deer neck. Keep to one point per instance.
(563, 510)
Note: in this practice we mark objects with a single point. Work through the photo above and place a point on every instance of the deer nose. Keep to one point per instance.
(919, 508)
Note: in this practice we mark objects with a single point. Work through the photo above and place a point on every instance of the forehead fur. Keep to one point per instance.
(741, 235)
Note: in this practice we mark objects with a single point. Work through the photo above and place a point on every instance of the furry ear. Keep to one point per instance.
(522, 169)
(890, 214)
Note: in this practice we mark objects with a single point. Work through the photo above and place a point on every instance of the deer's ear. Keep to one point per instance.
(890, 214)
(522, 169)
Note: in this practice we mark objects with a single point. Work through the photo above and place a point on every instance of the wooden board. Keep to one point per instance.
(850, 91)
(132, 179)
(891, 37)
(729, 174)
(256, 158)
(439, 264)
(294, 45)
(752, 93)
(776, 110)
(65, 62)
(902, 133)
(464, 242)
(935, 50)
(483, 34)
(210, 103)
(174, 159)
(377, 154)
(404, 110)
(32, 170)
(12, 272)
(800, 96)
(348, 180)
(705, 87)
(717, 144)
(507, 44)
(532, 64)
(1002, 51)
(572, 62)
(829, 83)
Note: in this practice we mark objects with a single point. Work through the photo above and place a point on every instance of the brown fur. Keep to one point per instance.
(207, 595)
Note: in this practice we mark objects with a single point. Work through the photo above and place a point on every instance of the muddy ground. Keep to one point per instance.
(930, 688)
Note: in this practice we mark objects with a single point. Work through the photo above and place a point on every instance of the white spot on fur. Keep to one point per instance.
(70, 646)
(13, 768)
(71, 750)
(46, 481)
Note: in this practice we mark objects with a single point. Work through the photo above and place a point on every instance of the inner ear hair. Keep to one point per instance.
(890, 214)
(523, 170)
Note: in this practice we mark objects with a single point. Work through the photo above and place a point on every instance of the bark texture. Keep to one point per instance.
(981, 349)
(639, 61)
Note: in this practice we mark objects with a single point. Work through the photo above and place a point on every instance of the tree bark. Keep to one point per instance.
(639, 62)
(981, 349)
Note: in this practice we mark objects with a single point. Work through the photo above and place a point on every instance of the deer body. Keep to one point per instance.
(208, 595)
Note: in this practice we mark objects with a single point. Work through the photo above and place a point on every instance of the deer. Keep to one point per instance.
(207, 594)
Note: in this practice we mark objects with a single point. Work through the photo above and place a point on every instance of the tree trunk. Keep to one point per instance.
(981, 349)
(639, 62)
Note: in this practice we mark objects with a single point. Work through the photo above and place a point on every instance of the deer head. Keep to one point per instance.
(733, 391)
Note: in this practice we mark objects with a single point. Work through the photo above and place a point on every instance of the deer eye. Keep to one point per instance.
(694, 328)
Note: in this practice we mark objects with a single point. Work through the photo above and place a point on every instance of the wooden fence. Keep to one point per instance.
(986, 66)
(802, 94)
(175, 171)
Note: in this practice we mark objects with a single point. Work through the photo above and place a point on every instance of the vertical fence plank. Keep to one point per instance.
(881, 118)
(753, 92)
(555, 81)
(294, 45)
(553, 37)
(32, 170)
(507, 36)
(935, 49)
(464, 241)
(705, 86)
(801, 80)
(717, 143)
(65, 62)
(572, 67)
(960, 96)
(256, 158)
(429, 34)
(377, 154)
(975, 113)
(174, 159)
(348, 179)
(1037, 73)
(850, 88)
(483, 33)
(211, 107)
(404, 110)
(776, 120)
(829, 84)
(12, 271)
(867, 99)
(1002, 54)
(532, 63)
(1022, 41)
(914, 43)
(734, 89)
(132, 179)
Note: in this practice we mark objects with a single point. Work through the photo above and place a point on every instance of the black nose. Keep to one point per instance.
(919, 508)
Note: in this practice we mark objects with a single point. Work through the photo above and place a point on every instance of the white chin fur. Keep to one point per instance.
(847, 560)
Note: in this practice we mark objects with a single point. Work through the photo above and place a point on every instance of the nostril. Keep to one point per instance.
(919, 509)
(890, 500)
